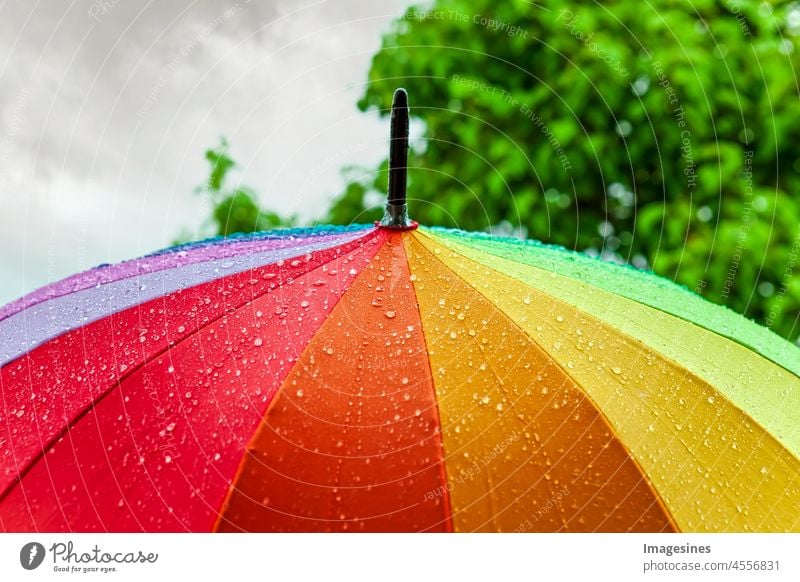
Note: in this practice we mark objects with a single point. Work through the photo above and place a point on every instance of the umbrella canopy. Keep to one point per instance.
(390, 378)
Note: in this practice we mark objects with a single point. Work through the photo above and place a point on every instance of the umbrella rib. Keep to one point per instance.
(56, 292)
(778, 361)
(679, 365)
(448, 502)
(765, 434)
(656, 495)
(94, 402)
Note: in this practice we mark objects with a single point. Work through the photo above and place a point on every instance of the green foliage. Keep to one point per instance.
(350, 206)
(235, 210)
(662, 133)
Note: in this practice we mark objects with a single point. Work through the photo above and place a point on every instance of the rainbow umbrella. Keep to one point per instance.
(390, 378)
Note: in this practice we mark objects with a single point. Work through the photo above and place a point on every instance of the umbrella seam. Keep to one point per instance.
(771, 338)
(93, 403)
(765, 433)
(645, 306)
(656, 494)
(273, 403)
(448, 504)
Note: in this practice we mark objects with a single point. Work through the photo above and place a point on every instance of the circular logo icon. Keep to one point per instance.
(31, 555)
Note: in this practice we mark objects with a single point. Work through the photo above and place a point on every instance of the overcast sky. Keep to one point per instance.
(107, 106)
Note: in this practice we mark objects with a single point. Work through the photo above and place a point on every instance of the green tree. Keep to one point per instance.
(235, 210)
(660, 133)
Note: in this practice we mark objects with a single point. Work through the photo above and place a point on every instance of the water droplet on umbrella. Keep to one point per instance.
(257, 342)
(390, 314)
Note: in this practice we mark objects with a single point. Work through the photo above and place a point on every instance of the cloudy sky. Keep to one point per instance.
(106, 107)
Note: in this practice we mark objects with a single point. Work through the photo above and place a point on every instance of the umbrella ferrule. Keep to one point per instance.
(396, 214)
(396, 217)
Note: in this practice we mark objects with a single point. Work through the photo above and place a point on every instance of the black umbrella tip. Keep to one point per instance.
(400, 99)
